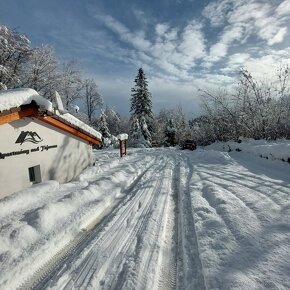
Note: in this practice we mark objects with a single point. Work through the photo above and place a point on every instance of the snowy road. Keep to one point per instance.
(156, 219)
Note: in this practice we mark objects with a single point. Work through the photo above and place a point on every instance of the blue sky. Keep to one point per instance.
(182, 45)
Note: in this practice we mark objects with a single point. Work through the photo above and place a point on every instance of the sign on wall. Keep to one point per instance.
(28, 136)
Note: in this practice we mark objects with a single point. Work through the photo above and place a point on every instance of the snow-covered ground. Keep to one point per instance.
(274, 150)
(156, 219)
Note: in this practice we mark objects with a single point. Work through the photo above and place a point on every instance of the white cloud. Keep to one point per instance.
(283, 8)
(161, 28)
(278, 36)
(134, 38)
(178, 55)
(217, 51)
(246, 18)
(229, 35)
(261, 67)
(266, 66)
(192, 41)
(238, 58)
(216, 12)
(173, 50)
(171, 54)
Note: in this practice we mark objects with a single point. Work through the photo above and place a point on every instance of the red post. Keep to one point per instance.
(123, 148)
(123, 144)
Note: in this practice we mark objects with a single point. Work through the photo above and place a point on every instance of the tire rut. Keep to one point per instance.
(52, 268)
(109, 242)
(189, 265)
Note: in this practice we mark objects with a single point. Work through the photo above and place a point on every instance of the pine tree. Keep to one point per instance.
(135, 133)
(141, 101)
(170, 133)
(144, 130)
(103, 126)
(113, 120)
(141, 109)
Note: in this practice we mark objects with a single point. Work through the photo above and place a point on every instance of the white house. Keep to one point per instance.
(39, 142)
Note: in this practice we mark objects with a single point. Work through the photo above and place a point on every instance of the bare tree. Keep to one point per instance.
(256, 109)
(15, 50)
(71, 84)
(41, 73)
(93, 99)
(113, 120)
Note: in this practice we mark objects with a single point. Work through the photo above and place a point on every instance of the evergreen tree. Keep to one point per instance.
(144, 130)
(113, 120)
(103, 126)
(170, 133)
(141, 101)
(141, 110)
(135, 133)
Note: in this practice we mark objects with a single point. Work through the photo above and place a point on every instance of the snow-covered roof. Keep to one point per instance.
(78, 123)
(15, 98)
(122, 136)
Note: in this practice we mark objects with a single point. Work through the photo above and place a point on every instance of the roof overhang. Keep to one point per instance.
(32, 111)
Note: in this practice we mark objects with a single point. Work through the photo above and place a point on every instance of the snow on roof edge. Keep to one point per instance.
(17, 97)
(80, 124)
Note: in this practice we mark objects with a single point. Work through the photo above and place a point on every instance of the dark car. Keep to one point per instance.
(189, 144)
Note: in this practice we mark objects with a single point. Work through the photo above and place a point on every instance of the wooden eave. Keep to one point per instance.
(33, 112)
(19, 113)
(65, 127)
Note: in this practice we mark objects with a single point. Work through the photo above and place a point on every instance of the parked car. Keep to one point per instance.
(188, 144)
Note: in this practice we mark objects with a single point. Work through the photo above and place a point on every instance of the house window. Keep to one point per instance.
(34, 174)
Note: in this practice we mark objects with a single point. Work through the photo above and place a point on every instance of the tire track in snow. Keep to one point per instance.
(142, 262)
(252, 199)
(52, 269)
(189, 265)
(108, 252)
(152, 264)
(253, 185)
(160, 256)
(55, 198)
(233, 211)
(269, 182)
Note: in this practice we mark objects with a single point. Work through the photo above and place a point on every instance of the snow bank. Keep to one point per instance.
(14, 98)
(274, 150)
(214, 157)
(38, 222)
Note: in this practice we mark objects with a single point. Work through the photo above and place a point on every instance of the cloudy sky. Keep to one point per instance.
(182, 45)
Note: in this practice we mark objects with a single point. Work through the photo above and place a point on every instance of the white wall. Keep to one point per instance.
(62, 163)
